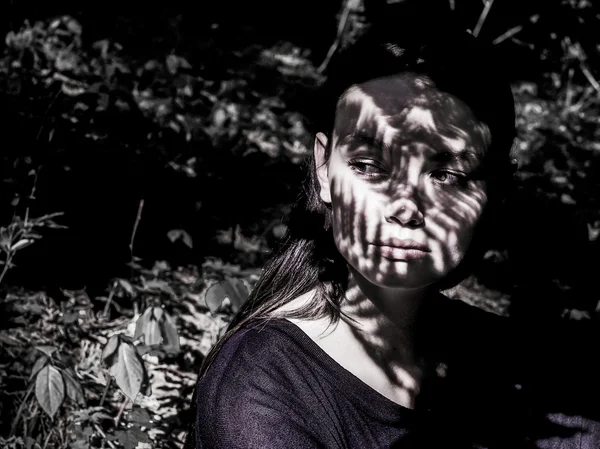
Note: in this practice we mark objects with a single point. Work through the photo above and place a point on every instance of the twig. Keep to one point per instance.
(20, 410)
(590, 77)
(121, 410)
(47, 439)
(482, 17)
(105, 391)
(109, 300)
(135, 226)
(338, 38)
(514, 30)
(7, 263)
(103, 435)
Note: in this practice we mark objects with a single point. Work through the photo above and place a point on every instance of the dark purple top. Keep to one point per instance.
(272, 386)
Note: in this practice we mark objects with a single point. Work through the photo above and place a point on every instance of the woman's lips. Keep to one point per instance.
(396, 249)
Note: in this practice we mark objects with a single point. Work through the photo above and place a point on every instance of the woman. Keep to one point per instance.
(346, 340)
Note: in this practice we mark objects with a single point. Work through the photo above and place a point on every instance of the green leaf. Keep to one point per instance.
(110, 348)
(38, 365)
(49, 389)
(74, 390)
(131, 437)
(48, 350)
(128, 370)
(170, 336)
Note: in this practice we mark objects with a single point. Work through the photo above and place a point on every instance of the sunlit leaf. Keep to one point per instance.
(49, 389)
(128, 370)
(140, 324)
(152, 334)
(170, 336)
(126, 285)
(22, 244)
(38, 365)
(74, 390)
(48, 350)
(110, 348)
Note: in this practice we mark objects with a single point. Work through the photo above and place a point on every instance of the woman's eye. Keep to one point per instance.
(367, 168)
(448, 178)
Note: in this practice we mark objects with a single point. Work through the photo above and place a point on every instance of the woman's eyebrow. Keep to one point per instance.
(447, 155)
(366, 139)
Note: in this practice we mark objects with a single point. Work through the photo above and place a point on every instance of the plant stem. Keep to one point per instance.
(8, 261)
(120, 413)
(482, 17)
(105, 391)
(20, 410)
(135, 226)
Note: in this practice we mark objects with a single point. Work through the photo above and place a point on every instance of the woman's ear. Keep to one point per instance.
(321, 166)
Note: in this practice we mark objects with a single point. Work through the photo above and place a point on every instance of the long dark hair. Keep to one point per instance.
(307, 259)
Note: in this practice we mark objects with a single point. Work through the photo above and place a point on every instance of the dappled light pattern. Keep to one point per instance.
(405, 179)
(407, 189)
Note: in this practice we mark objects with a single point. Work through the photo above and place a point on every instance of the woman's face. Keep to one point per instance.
(404, 180)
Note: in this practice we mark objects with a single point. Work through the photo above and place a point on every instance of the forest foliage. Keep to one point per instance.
(145, 193)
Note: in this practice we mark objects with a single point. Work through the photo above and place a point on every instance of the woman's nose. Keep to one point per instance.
(405, 211)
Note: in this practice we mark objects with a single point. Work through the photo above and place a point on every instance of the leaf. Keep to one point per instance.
(157, 313)
(140, 324)
(159, 285)
(38, 365)
(131, 437)
(180, 234)
(74, 390)
(187, 240)
(128, 370)
(231, 289)
(152, 334)
(126, 285)
(239, 293)
(170, 336)
(48, 350)
(174, 234)
(214, 297)
(49, 389)
(140, 416)
(110, 348)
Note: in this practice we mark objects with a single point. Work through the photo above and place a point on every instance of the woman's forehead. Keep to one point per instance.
(402, 106)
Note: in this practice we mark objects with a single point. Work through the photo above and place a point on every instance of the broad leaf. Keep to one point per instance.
(126, 285)
(233, 289)
(38, 365)
(128, 370)
(152, 334)
(49, 389)
(74, 390)
(131, 437)
(48, 350)
(170, 336)
(110, 348)
(140, 324)
(140, 416)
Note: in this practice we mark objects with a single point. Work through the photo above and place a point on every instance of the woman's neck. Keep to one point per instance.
(386, 319)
